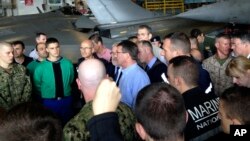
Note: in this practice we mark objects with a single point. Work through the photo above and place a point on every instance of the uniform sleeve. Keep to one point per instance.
(75, 130)
(3, 103)
(99, 131)
(27, 89)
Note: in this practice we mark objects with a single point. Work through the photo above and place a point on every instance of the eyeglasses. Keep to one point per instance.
(120, 52)
(84, 48)
(115, 53)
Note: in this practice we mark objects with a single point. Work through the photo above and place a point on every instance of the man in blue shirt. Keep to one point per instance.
(133, 77)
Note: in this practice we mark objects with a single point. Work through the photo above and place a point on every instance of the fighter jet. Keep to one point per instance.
(226, 11)
(54, 24)
(121, 18)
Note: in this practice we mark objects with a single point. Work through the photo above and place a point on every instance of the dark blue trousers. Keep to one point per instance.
(62, 107)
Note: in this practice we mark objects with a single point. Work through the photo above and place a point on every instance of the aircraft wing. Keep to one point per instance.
(114, 11)
(54, 24)
(85, 22)
(227, 11)
(121, 18)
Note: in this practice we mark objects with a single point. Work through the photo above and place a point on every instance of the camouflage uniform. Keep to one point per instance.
(15, 86)
(76, 129)
(217, 73)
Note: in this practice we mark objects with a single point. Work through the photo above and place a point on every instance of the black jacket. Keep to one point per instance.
(155, 72)
(105, 127)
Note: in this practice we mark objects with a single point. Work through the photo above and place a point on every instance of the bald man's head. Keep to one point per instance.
(87, 49)
(90, 74)
(6, 54)
(88, 42)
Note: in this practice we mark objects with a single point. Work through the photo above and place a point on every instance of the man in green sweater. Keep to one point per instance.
(42, 55)
(52, 80)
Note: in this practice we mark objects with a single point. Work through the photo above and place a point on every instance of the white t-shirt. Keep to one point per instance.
(33, 54)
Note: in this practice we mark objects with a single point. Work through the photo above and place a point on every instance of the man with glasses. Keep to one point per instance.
(133, 77)
(87, 52)
(115, 69)
(241, 45)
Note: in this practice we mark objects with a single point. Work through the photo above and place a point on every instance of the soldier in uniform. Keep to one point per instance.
(90, 74)
(15, 84)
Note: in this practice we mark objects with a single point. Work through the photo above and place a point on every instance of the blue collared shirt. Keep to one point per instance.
(151, 62)
(133, 79)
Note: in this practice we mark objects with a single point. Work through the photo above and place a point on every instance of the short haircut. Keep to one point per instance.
(147, 44)
(186, 68)
(168, 35)
(96, 38)
(180, 41)
(161, 111)
(149, 29)
(222, 35)
(236, 103)
(19, 43)
(244, 37)
(236, 35)
(195, 32)
(30, 122)
(39, 44)
(132, 37)
(4, 44)
(130, 48)
(38, 34)
(237, 66)
(51, 40)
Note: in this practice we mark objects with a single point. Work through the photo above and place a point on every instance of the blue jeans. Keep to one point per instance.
(61, 107)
